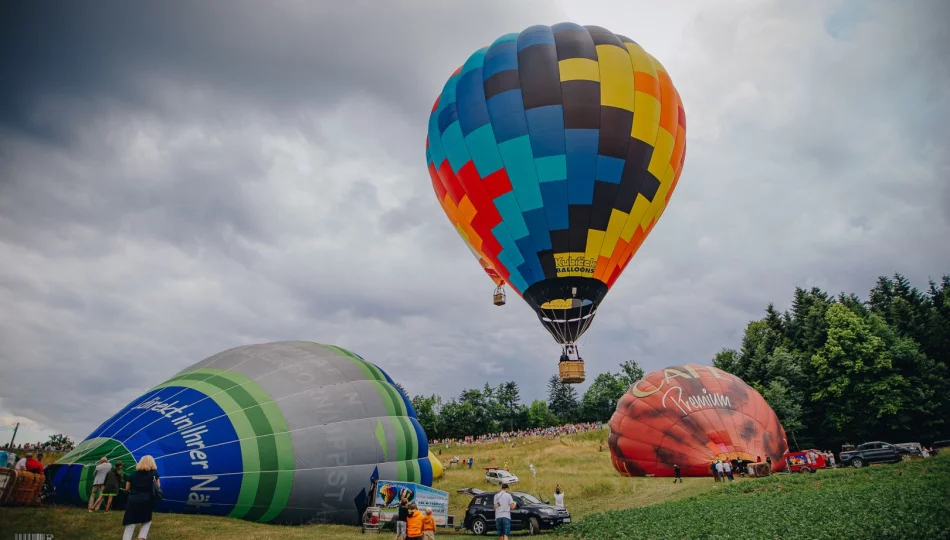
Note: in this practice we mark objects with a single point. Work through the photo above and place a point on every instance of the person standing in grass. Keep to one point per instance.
(727, 469)
(98, 483)
(138, 510)
(428, 525)
(414, 523)
(676, 472)
(401, 519)
(558, 497)
(504, 504)
(114, 479)
(715, 473)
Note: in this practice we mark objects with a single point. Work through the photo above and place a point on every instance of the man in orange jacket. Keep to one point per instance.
(414, 523)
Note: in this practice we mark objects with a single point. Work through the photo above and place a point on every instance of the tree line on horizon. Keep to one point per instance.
(499, 409)
(835, 369)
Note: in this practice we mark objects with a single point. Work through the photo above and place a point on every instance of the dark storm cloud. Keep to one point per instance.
(282, 55)
(180, 178)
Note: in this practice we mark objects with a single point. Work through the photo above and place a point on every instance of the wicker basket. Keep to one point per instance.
(21, 488)
(571, 371)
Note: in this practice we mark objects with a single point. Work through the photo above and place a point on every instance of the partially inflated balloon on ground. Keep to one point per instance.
(691, 415)
(437, 469)
(288, 432)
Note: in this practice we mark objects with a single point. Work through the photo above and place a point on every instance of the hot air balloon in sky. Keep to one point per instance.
(691, 415)
(287, 432)
(554, 152)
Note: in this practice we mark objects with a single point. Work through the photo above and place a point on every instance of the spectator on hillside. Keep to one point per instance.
(470, 461)
(98, 484)
(558, 497)
(534, 472)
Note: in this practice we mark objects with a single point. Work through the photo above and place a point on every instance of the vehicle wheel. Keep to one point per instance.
(534, 527)
(479, 527)
(857, 463)
(804, 470)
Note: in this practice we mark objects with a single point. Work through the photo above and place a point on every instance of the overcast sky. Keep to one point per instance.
(179, 178)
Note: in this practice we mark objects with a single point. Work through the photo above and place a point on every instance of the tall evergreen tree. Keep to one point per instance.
(562, 399)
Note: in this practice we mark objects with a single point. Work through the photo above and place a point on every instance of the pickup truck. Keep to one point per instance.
(872, 452)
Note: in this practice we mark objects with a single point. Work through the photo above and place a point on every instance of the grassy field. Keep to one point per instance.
(583, 472)
(906, 500)
(696, 508)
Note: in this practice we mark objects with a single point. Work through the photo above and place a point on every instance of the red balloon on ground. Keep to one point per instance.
(692, 415)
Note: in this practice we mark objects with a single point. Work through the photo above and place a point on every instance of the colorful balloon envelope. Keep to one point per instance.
(692, 415)
(288, 432)
(553, 152)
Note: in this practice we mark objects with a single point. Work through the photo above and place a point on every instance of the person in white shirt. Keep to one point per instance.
(727, 468)
(558, 497)
(504, 504)
(98, 482)
(534, 473)
(21, 465)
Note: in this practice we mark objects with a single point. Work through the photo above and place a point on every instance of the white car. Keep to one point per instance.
(500, 476)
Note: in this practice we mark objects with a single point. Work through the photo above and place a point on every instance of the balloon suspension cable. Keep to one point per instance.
(560, 326)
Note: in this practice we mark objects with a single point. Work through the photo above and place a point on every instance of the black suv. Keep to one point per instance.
(530, 514)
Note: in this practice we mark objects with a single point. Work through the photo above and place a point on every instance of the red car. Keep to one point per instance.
(805, 461)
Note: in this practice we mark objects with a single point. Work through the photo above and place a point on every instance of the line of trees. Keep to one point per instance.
(838, 369)
(497, 409)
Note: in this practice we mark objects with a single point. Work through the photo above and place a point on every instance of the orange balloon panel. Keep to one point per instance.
(692, 415)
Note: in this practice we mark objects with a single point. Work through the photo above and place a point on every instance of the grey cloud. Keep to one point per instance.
(178, 179)
(286, 55)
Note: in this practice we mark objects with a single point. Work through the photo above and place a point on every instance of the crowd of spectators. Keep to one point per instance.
(552, 432)
(34, 447)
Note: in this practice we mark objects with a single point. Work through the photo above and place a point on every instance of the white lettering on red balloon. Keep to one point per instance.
(692, 403)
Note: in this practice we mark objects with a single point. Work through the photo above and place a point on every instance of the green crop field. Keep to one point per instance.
(906, 500)
(883, 500)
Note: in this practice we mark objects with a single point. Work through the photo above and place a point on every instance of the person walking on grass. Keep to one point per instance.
(676, 472)
(141, 487)
(504, 504)
(98, 483)
(428, 525)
